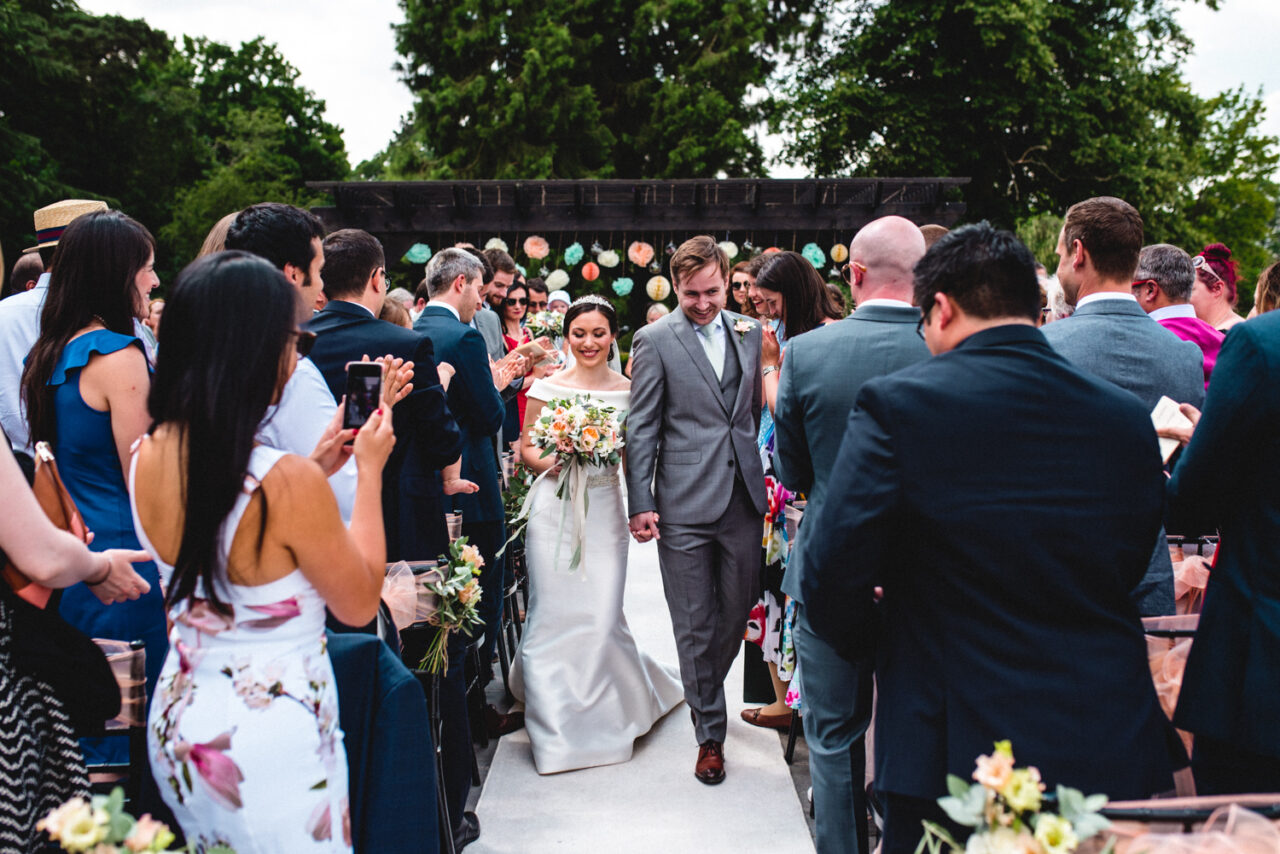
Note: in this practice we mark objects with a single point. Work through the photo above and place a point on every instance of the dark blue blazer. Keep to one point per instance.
(1006, 502)
(1227, 479)
(476, 405)
(427, 437)
(391, 780)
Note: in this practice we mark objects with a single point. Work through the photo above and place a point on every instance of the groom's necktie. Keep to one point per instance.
(714, 349)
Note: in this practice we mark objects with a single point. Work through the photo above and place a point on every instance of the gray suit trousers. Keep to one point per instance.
(711, 577)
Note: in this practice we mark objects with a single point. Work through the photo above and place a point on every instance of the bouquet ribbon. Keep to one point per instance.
(572, 485)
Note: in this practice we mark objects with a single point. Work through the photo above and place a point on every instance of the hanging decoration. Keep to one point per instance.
(523, 271)
(544, 271)
(656, 266)
(536, 247)
(658, 288)
(496, 243)
(839, 253)
(596, 248)
(419, 253)
(671, 247)
(623, 286)
(591, 271)
(573, 253)
(557, 280)
(640, 253)
(608, 258)
(813, 253)
(729, 248)
(771, 250)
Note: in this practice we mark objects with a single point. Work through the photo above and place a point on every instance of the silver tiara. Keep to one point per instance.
(594, 299)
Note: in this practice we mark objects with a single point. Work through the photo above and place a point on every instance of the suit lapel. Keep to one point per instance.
(684, 333)
(738, 344)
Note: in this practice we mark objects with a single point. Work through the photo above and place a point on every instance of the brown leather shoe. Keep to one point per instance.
(710, 767)
(753, 717)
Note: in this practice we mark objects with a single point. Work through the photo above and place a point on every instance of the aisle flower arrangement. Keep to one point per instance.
(101, 826)
(455, 585)
(1004, 806)
(546, 324)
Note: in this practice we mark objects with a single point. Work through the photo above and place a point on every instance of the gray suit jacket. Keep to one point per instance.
(1116, 341)
(821, 375)
(685, 446)
(490, 328)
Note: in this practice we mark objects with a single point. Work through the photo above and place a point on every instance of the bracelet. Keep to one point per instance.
(768, 369)
(104, 577)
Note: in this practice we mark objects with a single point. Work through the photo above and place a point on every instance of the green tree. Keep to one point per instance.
(586, 88)
(1042, 104)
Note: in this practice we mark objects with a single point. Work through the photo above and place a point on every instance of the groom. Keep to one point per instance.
(694, 478)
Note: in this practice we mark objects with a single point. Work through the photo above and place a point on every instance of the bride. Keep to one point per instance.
(589, 692)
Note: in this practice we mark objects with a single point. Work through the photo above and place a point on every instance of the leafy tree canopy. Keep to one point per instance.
(1043, 104)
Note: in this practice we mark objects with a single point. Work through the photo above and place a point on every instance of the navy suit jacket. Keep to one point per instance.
(427, 437)
(1006, 503)
(820, 378)
(475, 403)
(1226, 478)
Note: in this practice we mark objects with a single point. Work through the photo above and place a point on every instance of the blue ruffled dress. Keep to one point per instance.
(90, 468)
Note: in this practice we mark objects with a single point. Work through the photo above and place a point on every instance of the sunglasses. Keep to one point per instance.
(924, 315)
(538, 306)
(846, 271)
(736, 285)
(306, 340)
(1201, 264)
(515, 301)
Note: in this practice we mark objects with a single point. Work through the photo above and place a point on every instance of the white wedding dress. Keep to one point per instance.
(588, 690)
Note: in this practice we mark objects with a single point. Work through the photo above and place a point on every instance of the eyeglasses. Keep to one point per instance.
(846, 271)
(924, 315)
(515, 301)
(306, 340)
(1201, 264)
(537, 306)
(1142, 282)
(739, 284)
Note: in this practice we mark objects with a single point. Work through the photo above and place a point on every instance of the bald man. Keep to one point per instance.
(821, 375)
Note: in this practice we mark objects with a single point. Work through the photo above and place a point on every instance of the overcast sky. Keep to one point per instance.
(345, 52)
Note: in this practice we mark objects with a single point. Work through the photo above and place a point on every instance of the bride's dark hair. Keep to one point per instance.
(588, 304)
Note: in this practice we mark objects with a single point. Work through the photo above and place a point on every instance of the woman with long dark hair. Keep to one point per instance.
(515, 305)
(85, 387)
(243, 733)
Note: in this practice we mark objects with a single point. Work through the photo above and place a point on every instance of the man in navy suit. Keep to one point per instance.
(1111, 337)
(427, 438)
(1005, 503)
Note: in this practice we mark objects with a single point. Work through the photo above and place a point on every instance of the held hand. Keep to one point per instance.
(1182, 434)
(770, 351)
(445, 372)
(122, 582)
(374, 441)
(644, 527)
(332, 451)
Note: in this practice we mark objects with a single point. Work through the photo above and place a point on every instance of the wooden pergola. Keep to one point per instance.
(760, 212)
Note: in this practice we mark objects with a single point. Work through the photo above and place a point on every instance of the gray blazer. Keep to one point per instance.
(685, 445)
(490, 328)
(821, 375)
(1116, 340)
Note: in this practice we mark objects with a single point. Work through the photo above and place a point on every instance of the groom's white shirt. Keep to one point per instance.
(717, 331)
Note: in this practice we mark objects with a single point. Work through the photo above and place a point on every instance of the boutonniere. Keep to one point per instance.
(742, 327)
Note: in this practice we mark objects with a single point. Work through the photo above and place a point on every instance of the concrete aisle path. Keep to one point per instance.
(653, 802)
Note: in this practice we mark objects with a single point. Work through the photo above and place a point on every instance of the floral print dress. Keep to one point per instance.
(243, 729)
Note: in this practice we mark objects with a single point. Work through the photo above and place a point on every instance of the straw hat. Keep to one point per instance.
(53, 219)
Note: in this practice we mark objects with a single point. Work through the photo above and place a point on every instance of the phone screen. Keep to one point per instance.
(364, 393)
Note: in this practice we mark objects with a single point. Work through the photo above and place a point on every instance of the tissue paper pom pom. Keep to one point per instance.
(608, 258)
(522, 270)
(557, 280)
(839, 253)
(814, 255)
(658, 288)
(497, 243)
(771, 250)
(591, 271)
(640, 253)
(729, 248)
(573, 254)
(419, 253)
(536, 247)
(623, 286)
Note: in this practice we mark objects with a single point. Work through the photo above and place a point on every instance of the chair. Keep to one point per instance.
(128, 660)
(511, 630)
(415, 639)
(793, 731)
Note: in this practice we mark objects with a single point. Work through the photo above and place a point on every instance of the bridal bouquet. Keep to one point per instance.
(581, 433)
(546, 324)
(455, 587)
(101, 826)
(1004, 808)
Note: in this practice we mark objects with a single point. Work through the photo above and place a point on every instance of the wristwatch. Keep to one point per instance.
(768, 369)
